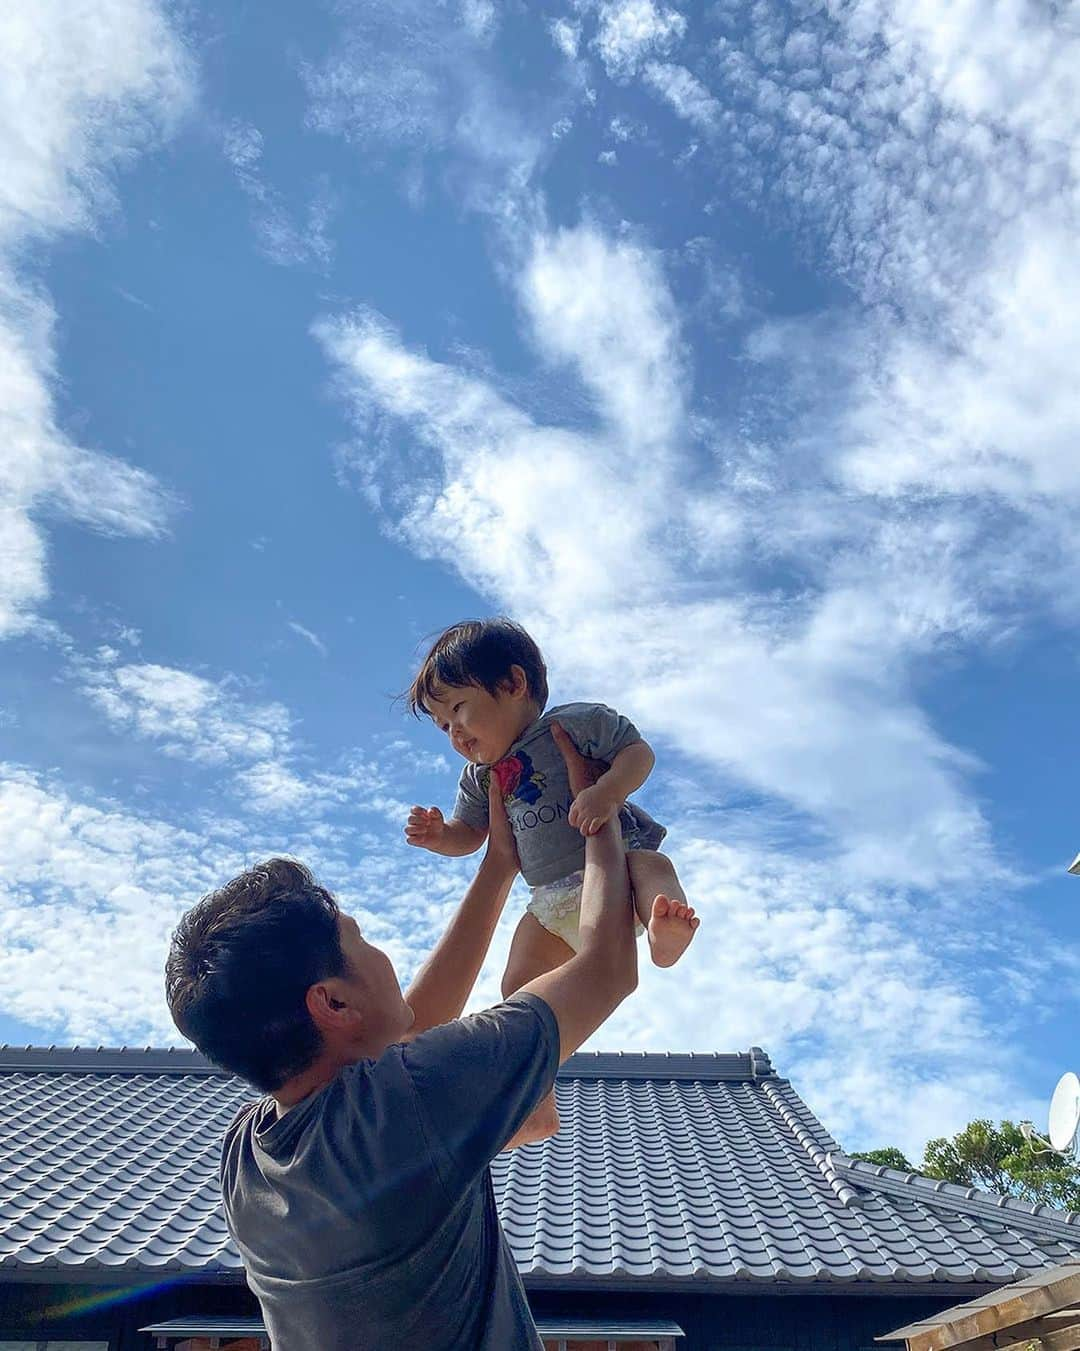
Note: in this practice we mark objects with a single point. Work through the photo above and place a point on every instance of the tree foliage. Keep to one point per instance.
(999, 1159)
(889, 1157)
(996, 1159)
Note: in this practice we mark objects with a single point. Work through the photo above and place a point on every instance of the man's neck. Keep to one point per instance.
(319, 1073)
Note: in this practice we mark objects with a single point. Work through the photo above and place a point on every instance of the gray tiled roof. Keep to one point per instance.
(699, 1168)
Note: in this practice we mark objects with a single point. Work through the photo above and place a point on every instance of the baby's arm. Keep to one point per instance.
(594, 807)
(427, 828)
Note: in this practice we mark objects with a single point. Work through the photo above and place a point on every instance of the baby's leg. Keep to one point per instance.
(661, 905)
(533, 951)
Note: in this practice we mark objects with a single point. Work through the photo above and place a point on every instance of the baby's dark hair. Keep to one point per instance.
(479, 652)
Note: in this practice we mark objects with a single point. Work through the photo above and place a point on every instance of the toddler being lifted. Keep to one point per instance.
(484, 683)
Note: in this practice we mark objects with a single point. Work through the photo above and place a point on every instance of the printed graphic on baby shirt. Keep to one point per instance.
(518, 779)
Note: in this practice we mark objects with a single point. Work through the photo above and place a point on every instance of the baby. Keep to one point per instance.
(484, 683)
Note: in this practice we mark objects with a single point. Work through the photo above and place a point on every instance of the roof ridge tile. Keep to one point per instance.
(965, 1200)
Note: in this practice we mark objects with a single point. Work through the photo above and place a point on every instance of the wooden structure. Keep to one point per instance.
(1039, 1313)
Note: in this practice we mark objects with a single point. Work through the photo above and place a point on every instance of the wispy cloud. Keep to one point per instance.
(687, 95)
(309, 637)
(218, 725)
(419, 81)
(280, 239)
(186, 715)
(566, 35)
(109, 79)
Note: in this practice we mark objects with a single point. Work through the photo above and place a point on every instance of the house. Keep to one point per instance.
(691, 1202)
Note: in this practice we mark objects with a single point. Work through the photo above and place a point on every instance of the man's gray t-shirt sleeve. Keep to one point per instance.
(477, 1079)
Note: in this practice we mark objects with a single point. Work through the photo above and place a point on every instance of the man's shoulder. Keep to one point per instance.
(523, 1014)
(239, 1135)
(244, 1120)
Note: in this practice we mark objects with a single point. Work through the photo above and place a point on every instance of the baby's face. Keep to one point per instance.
(481, 726)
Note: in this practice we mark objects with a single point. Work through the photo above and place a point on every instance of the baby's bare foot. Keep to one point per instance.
(671, 927)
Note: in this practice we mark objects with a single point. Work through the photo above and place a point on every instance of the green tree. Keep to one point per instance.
(889, 1157)
(999, 1159)
(995, 1159)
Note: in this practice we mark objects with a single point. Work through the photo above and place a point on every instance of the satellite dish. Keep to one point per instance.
(1065, 1112)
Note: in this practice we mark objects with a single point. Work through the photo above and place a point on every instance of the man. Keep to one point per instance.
(358, 1190)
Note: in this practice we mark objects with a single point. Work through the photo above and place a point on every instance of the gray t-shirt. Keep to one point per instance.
(537, 793)
(365, 1216)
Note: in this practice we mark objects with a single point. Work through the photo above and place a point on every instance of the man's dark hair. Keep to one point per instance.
(240, 965)
(479, 652)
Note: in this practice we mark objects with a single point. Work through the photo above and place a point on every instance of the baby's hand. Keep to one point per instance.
(592, 809)
(424, 827)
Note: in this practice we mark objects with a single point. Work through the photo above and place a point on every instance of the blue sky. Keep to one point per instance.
(731, 348)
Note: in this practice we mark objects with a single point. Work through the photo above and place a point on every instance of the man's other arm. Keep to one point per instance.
(442, 985)
(586, 990)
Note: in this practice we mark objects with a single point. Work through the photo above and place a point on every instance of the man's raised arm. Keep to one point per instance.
(588, 988)
(442, 985)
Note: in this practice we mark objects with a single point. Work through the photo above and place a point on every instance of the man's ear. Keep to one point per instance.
(328, 1012)
(517, 682)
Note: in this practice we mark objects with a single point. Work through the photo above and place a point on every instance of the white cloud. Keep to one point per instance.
(242, 146)
(584, 296)
(216, 725)
(687, 95)
(280, 239)
(409, 80)
(88, 896)
(479, 17)
(309, 637)
(630, 31)
(935, 157)
(623, 129)
(80, 91)
(186, 715)
(566, 36)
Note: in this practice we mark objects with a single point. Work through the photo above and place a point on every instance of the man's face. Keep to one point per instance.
(373, 988)
(481, 726)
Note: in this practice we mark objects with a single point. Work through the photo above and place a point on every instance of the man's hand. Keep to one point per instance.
(593, 806)
(425, 827)
(582, 773)
(501, 844)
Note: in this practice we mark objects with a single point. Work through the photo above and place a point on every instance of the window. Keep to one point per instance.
(577, 1333)
(603, 1344)
(54, 1346)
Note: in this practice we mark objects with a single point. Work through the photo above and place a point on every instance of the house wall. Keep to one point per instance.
(718, 1322)
(24, 1310)
(712, 1322)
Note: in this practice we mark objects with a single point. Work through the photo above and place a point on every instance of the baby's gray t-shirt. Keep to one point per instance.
(365, 1216)
(537, 793)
